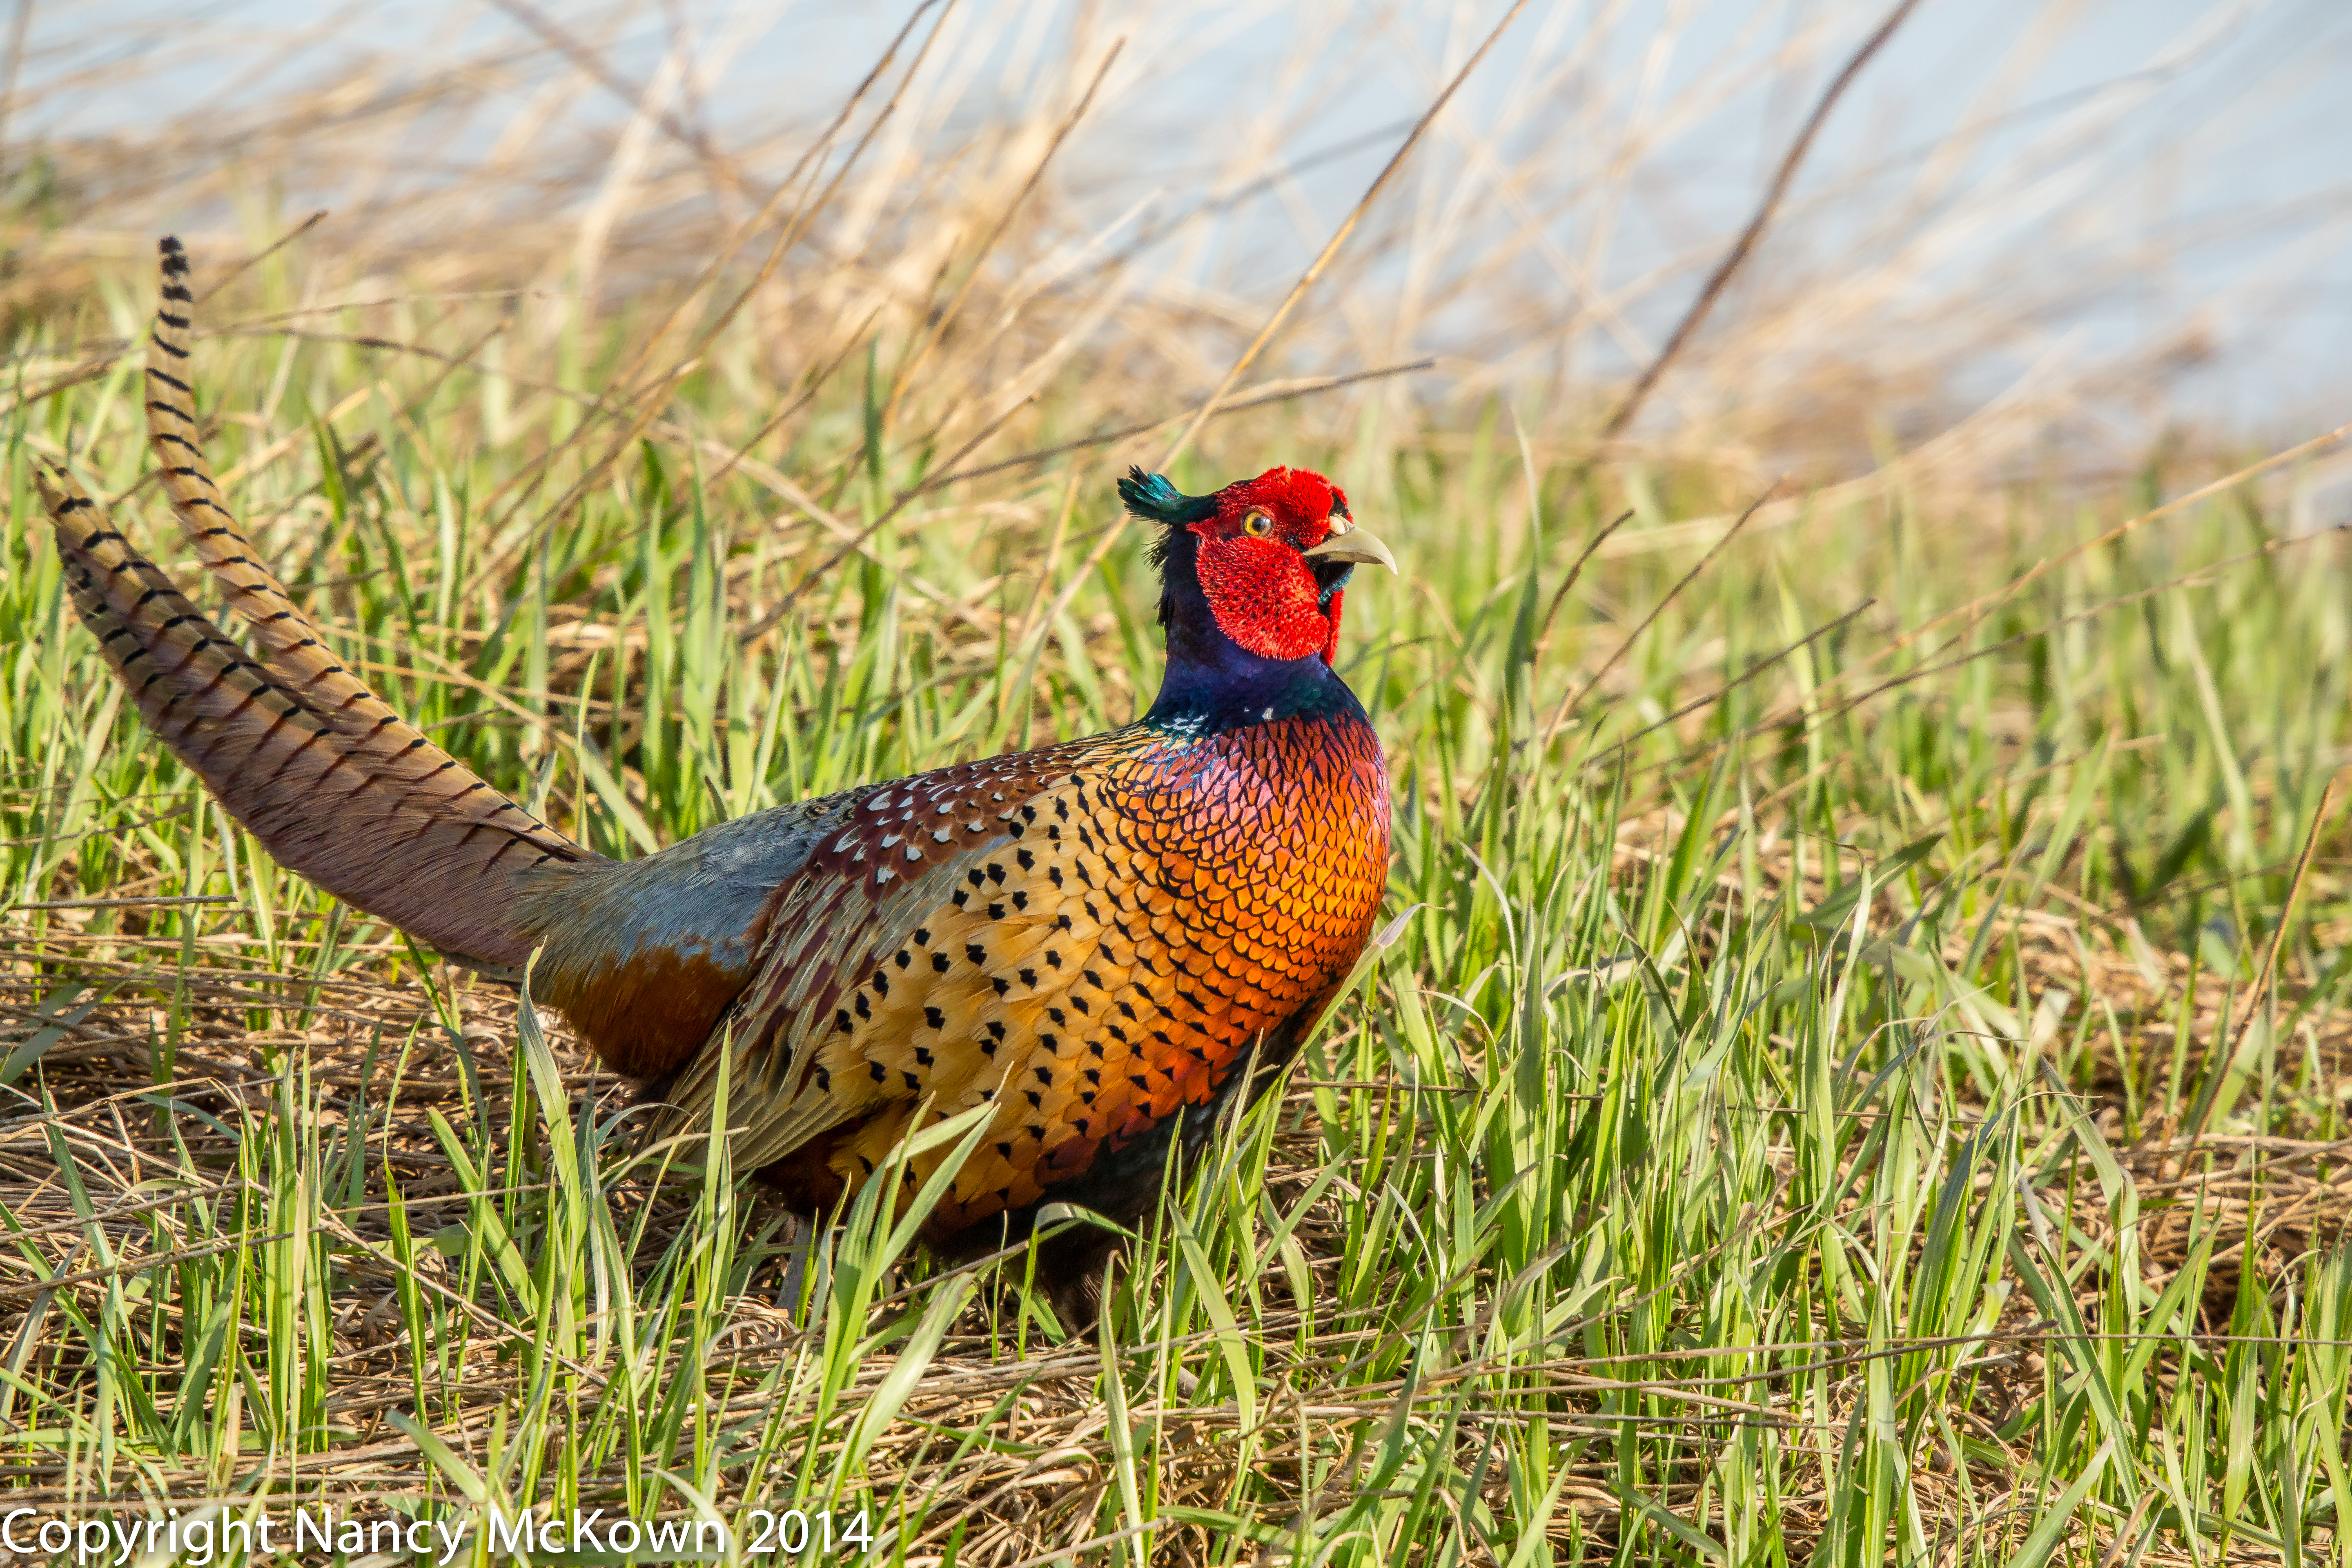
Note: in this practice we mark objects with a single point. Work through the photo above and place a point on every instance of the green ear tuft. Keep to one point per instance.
(1151, 497)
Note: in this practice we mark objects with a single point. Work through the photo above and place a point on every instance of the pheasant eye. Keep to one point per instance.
(1257, 525)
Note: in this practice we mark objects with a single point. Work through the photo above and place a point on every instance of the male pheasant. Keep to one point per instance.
(1094, 937)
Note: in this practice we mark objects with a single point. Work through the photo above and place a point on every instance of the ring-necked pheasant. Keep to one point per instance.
(1093, 936)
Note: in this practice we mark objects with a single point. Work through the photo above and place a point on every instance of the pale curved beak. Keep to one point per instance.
(1355, 544)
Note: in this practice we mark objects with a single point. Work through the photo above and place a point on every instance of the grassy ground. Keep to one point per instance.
(1860, 1073)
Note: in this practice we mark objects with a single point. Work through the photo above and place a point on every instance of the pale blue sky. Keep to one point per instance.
(2211, 141)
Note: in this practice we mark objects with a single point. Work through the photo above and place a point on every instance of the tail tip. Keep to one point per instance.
(175, 289)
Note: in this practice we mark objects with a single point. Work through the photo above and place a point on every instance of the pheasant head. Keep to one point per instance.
(1251, 577)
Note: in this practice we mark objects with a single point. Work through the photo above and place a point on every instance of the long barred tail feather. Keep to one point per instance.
(335, 783)
(292, 642)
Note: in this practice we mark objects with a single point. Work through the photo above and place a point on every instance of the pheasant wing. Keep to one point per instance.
(856, 952)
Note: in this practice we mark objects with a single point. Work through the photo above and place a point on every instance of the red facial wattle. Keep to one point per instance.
(1254, 568)
(1263, 597)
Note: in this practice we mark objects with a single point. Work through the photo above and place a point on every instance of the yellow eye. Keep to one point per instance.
(1257, 525)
